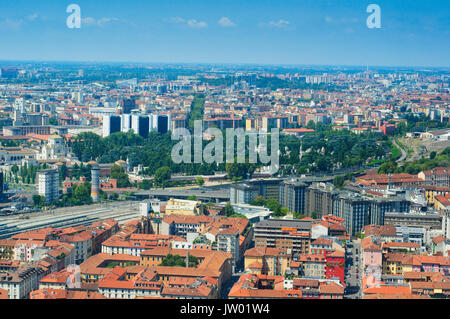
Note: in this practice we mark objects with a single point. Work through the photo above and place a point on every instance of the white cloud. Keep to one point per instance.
(11, 24)
(280, 23)
(177, 20)
(192, 23)
(226, 22)
(89, 21)
(103, 21)
(329, 19)
(32, 17)
(196, 24)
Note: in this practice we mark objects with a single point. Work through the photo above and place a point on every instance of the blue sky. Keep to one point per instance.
(333, 32)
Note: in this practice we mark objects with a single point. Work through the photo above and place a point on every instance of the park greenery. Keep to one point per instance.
(196, 113)
(324, 150)
(118, 173)
(178, 261)
(435, 160)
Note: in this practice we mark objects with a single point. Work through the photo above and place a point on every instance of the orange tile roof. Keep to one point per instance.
(405, 290)
(395, 296)
(331, 288)
(3, 294)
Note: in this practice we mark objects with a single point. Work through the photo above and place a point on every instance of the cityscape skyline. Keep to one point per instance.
(291, 150)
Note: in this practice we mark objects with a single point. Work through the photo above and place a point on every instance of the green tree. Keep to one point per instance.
(82, 194)
(38, 200)
(338, 181)
(62, 172)
(229, 211)
(259, 201)
(145, 184)
(53, 121)
(118, 173)
(162, 176)
(275, 207)
(15, 169)
(199, 181)
(238, 171)
(387, 168)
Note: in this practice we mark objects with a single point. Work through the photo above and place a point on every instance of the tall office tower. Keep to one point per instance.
(95, 180)
(48, 184)
(169, 122)
(140, 125)
(243, 193)
(163, 124)
(153, 123)
(111, 124)
(127, 105)
(292, 195)
(125, 122)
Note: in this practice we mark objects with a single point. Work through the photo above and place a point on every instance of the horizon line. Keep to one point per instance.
(223, 63)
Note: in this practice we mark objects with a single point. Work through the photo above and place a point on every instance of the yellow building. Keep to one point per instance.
(432, 191)
(183, 207)
(393, 264)
(267, 261)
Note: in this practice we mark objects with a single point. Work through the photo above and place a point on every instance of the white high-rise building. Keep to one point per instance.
(111, 124)
(19, 105)
(78, 96)
(153, 125)
(126, 122)
(48, 184)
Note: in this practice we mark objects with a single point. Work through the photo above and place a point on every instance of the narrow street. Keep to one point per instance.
(353, 271)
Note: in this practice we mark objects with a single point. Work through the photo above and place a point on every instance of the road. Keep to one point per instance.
(404, 153)
(353, 271)
(423, 147)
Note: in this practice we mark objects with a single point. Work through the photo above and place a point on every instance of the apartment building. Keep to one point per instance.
(181, 225)
(283, 233)
(48, 184)
(183, 207)
(292, 195)
(439, 176)
(267, 261)
(21, 282)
